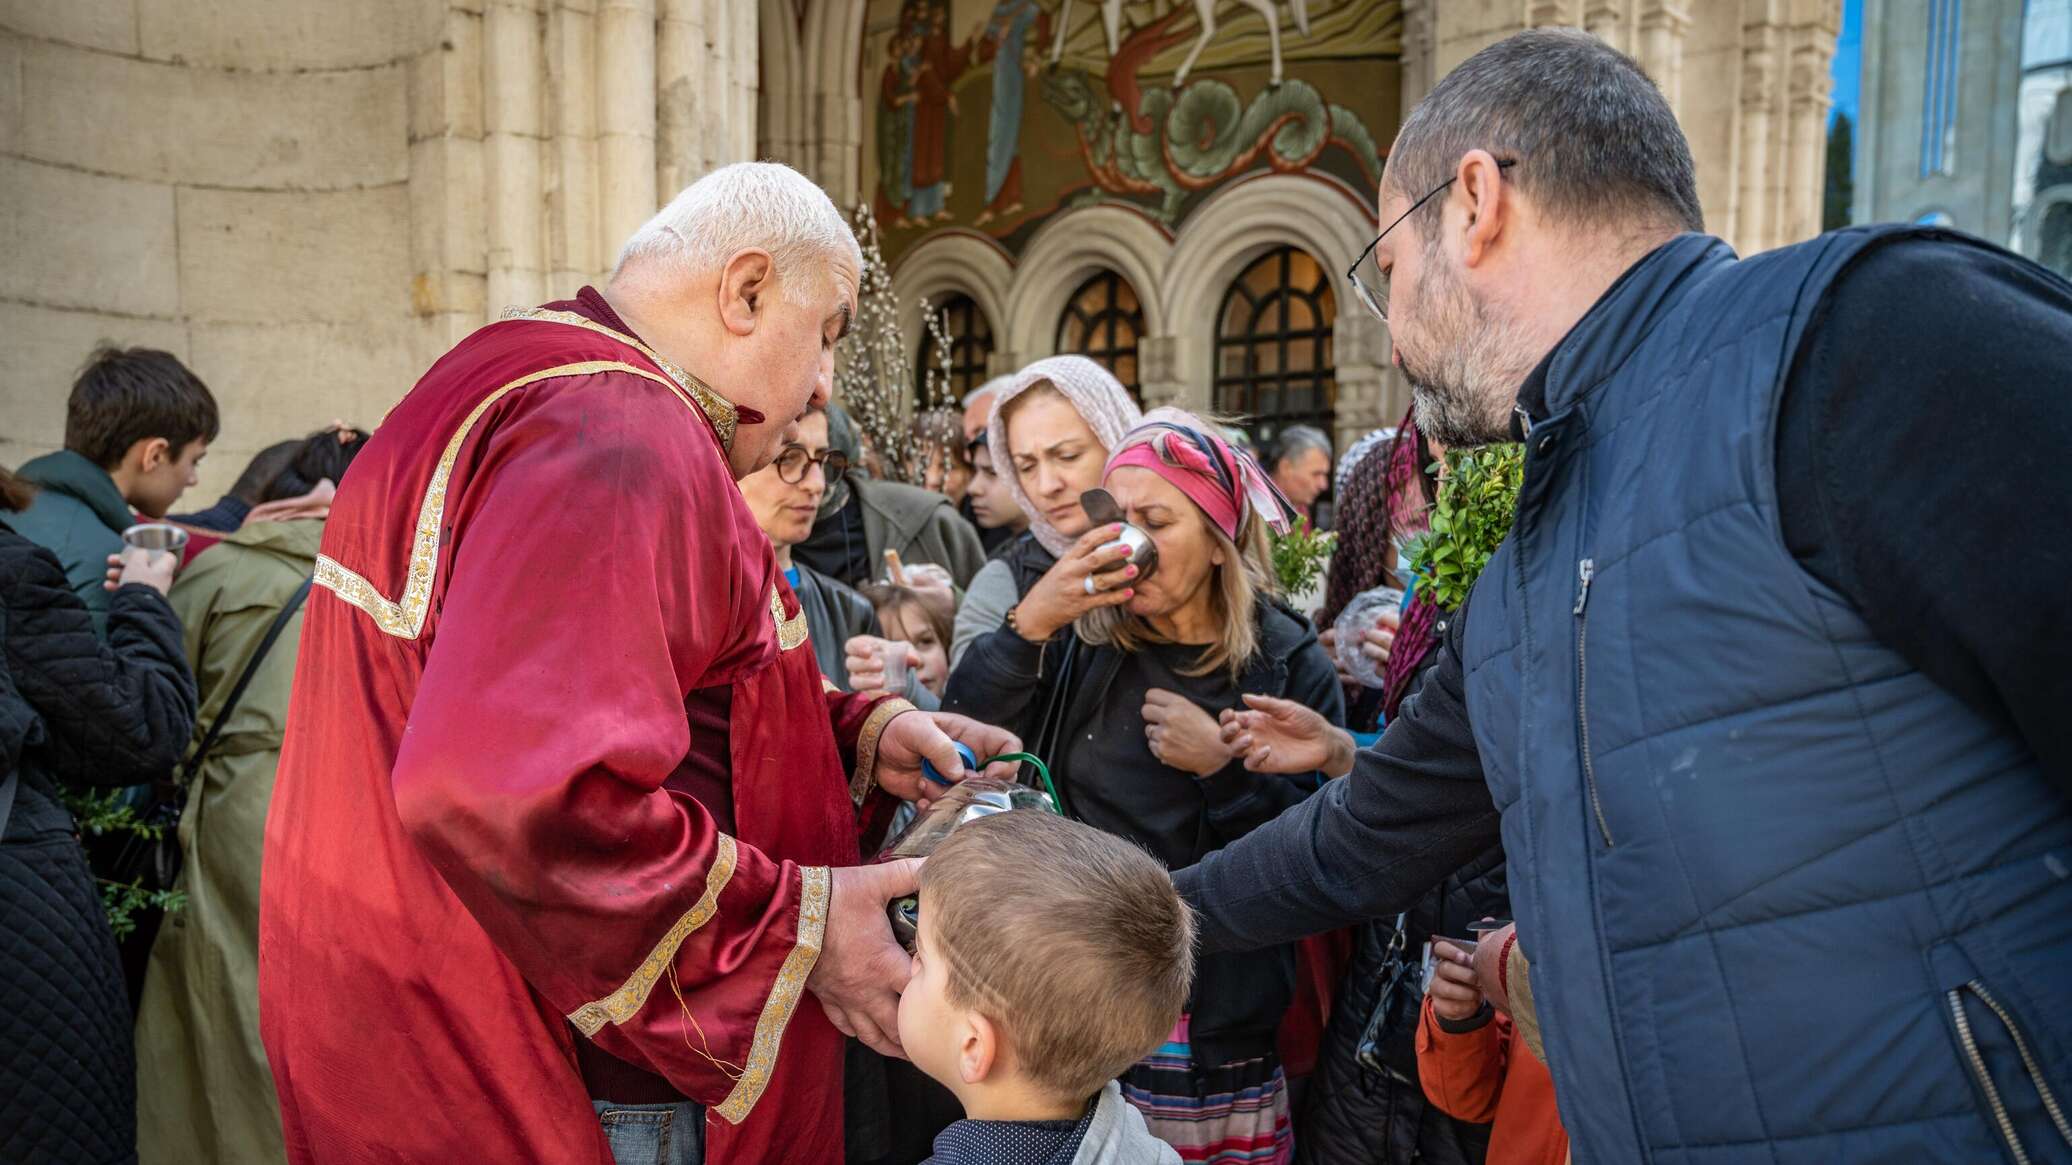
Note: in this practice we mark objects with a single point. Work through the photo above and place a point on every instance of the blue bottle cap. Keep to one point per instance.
(963, 750)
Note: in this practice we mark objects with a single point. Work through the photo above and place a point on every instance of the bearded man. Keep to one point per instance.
(559, 839)
(1765, 691)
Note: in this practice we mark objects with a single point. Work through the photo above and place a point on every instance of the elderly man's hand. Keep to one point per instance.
(861, 968)
(935, 735)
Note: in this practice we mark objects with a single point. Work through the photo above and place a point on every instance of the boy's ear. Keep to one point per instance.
(978, 1048)
(148, 453)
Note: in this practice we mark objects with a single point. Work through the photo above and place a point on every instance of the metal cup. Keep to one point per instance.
(156, 536)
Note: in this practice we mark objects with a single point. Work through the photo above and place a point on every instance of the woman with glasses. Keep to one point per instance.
(862, 517)
(784, 496)
(1122, 700)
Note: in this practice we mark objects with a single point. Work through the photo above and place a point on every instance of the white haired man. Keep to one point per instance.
(557, 843)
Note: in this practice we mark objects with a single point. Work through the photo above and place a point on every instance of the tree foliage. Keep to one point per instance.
(1478, 498)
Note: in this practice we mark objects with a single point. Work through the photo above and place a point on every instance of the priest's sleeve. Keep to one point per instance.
(857, 722)
(597, 575)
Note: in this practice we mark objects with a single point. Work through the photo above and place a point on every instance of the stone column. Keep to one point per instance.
(1544, 13)
(513, 108)
(1420, 52)
(1159, 379)
(1806, 163)
(682, 97)
(1661, 44)
(1606, 20)
(625, 116)
(575, 252)
(1754, 220)
(448, 235)
(1371, 393)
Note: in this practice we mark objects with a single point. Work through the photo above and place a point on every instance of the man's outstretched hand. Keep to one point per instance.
(935, 735)
(861, 969)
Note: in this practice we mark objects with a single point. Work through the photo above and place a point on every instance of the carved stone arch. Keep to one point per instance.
(954, 261)
(1233, 228)
(1065, 252)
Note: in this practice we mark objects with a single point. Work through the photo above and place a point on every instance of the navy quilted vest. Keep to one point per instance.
(1785, 899)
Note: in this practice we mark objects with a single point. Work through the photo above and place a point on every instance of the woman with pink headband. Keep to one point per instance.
(1122, 702)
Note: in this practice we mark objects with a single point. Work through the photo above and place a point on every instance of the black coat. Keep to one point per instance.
(74, 711)
(1239, 998)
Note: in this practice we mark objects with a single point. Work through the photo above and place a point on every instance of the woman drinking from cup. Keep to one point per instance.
(1119, 689)
(1056, 422)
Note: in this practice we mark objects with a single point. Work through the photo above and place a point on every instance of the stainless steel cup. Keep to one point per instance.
(156, 536)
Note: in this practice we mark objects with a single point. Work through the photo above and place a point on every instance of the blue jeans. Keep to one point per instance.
(653, 1134)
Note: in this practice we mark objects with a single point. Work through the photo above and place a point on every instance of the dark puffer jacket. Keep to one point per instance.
(73, 711)
(1353, 1115)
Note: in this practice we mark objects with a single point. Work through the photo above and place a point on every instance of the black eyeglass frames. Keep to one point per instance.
(791, 464)
(1376, 296)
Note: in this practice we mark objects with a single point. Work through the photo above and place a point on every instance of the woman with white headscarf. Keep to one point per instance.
(1051, 431)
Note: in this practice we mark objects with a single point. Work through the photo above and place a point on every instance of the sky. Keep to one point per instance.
(1848, 64)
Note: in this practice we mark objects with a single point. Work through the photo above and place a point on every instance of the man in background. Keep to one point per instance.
(1301, 465)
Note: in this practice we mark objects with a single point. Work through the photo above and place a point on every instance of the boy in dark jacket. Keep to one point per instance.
(136, 428)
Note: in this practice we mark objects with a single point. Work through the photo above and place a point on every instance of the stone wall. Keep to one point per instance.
(308, 201)
(225, 181)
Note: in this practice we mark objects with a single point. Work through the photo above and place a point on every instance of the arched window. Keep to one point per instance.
(1103, 321)
(970, 341)
(1273, 345)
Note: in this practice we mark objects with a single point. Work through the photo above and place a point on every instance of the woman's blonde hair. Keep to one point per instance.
(1236, 587)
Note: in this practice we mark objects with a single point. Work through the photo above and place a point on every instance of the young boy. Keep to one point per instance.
(136, 426)
(1051, 957)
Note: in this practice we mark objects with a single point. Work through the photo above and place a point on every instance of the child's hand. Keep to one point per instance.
(1456, 993)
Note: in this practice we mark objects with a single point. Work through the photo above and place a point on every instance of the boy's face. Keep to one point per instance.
(938, 1035)
(162, 474)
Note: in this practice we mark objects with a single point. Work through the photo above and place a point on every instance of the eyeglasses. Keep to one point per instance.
(791, 464)
(1377, 297)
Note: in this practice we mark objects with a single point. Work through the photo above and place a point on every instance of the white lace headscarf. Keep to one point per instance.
(1101, 401)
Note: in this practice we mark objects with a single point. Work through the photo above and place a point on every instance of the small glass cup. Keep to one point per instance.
(895, 660)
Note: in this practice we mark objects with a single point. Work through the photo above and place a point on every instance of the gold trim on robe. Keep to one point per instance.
(404, 617)
(718, 409)
(814, 885)
(626, 1002)
(867, 746)
(790, 632)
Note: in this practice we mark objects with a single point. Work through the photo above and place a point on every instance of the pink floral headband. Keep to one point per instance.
(1225, 483)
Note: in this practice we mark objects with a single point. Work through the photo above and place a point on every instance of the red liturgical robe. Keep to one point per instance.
(484, 843)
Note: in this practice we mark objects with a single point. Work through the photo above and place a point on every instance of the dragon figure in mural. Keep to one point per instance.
(1173, 142)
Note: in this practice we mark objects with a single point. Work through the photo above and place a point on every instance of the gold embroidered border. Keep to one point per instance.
(721, 411)
(790, 632)
(784, 997)
(632, 995)
(404, 617)
(867, 745)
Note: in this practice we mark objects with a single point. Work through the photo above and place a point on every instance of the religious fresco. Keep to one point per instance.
(995, 115)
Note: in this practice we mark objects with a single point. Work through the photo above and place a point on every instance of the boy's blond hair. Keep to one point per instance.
(1072, 941)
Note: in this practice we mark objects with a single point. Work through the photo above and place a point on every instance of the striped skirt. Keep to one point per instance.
(1225, 1114)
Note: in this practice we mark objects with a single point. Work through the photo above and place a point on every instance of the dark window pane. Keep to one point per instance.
(1274, 344)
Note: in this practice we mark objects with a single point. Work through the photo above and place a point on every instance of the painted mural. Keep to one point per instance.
(994, 115)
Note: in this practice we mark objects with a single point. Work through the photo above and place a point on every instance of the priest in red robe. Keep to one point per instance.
(561, 861)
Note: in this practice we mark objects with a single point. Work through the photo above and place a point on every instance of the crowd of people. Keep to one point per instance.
(523, 762)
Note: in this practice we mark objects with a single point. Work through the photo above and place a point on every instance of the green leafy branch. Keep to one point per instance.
(104, 813)
(1478, 498)
(1300, 556)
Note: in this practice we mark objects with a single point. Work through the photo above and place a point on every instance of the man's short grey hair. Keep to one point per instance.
(749, 205)
(1295, 440)
(990, 388)
(1595, 143)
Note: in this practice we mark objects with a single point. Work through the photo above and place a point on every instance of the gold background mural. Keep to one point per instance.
(994, 115)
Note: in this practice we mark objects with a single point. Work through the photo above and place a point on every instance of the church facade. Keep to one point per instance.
(310, 202)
